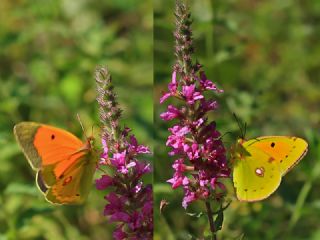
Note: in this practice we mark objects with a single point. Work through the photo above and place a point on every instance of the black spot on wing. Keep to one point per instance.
(53, 137)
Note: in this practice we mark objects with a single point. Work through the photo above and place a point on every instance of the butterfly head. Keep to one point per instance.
(240, 141)
(238, 151)
(238, 147)
(89, 143)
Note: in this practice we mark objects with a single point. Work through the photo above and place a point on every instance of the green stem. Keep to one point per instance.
(211, 222)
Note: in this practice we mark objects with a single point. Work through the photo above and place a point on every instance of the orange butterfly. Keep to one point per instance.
(64, 164)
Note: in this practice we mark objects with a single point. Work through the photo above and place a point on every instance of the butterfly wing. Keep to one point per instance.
(284, 150)
(73, 185)
(262, 162)
(52, 152)
(254, 177)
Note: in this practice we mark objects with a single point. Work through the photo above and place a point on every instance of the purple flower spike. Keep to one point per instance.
(195, 141)
(129, 201)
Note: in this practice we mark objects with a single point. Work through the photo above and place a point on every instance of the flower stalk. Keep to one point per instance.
(211, 221)
(130, 200)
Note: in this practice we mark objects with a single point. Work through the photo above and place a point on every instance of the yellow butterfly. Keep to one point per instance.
(260, 163)
(64, 164)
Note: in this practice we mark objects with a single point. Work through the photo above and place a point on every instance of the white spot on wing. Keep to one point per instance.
(260, 171)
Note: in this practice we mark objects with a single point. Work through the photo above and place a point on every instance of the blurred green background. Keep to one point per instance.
(266, 56)
(48, 54)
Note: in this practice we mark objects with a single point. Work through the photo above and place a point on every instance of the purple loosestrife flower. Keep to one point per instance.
(172, 88)
(194, 140)
(129, 203)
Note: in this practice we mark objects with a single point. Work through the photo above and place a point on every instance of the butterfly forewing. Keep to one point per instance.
(55, 145)
(286, 151)
(25, 133)
(255, 178)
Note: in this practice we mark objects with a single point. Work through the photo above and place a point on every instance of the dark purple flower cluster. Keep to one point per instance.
(130, 201)
(195, 140)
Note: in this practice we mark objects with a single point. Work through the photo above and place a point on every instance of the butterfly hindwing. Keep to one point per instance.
(254, 177)
(73, 185)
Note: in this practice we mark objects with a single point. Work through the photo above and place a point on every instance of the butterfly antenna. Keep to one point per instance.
(224, 135)
(239, 125)
(92, 130)
(84, 132)
(245, 130)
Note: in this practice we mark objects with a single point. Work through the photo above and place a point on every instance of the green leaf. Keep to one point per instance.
(218, 221)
